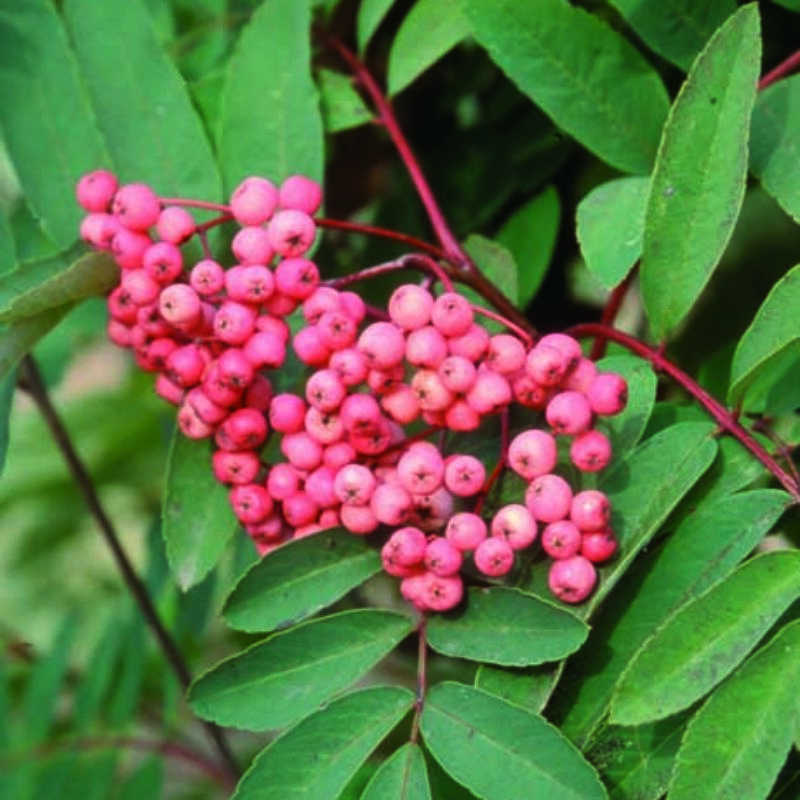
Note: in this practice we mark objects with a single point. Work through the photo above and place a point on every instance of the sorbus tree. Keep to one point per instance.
(472, 390)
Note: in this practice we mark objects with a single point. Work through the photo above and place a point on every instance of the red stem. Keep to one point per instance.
(721, 415)
(455, 253)
(610, 312)
(422, 677)
(411, 261)
(783, 69)
(384, 233)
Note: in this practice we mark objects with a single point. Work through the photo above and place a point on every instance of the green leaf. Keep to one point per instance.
(140, 100)
(527, 687)
(700, 174)
(495, 262)
(340, 104)
(772, 334)
(585, 76)
(704, 641)
(370, 16)
(501, 752)
(271, 123)
(792, 5)
(738, 741)
(675, 29)
(19, 338)
(402, 776)
(299, 579)
(306, 664)
(197, 516)
(45, 116)
(530, 235)
(145, 781)
(319, 756)
(37, 287)
(610, 225)
(625, 429)
(508, 627)
(8, 386)
(774, 150)
(703, 550)
(430, 30)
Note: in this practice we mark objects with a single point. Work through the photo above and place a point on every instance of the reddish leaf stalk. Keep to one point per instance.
(720, 414)
(781, 71)
(383, 233)
(417, 261)
(33, 384)
(610, 312)
(422, 677)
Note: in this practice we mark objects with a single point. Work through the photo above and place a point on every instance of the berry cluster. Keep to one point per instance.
(359, 443)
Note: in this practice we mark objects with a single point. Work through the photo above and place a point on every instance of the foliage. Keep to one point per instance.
(624, 171)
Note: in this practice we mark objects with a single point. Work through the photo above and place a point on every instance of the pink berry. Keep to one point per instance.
(236, 468)
(547, 365)
(461, 416)
(465, 530)
(569, 413)
(452, 314)
(410, 307)
(326, 427)
(207, 277)
(136, 206)
(494, 557)
(252, 245)
(302, 450)
(99, 229)
(301, 194)
(234, 322)
(401, 404)
(163, 261)
(296, 277)
(430, 392)
(572, 579)
(506, 354)
(391, 504)
(349, 362)
(244, 429)
(442, 557)
(354, 484)
(325, 390)
(608, 394)
(581, 377)
(254, 200)
(359, 520)
(457, 374)
(516, 525)
(549, 498)
(591, 451)
(300, 509)
(490, 393)
(464, 475)
(129, 247)
(175, 225)
(471, 345)
(265, 349)
(291, 233)
(598, 546)
(251, 503)
(180, 305)
(561, 539)
(383, 345)
(283, 481)
(310, 347)
(360, 413)
(406, 546)
(569, 347)
(590, 510)
(286, 413)
(532, 453)
(426, 347)
(420, 469)
(96, 190)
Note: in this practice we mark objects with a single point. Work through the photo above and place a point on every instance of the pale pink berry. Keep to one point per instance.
(354, 484)
(325, 390)
(506, 354)
(420, 469)
(207, 277)
(95, 190)
(401, 404)
(286, 413)
(442, 557)
(608, 394)
(494, 557)
(359, 520)
(547, 365)
(590, 510)
(383, 345)
(302, 450)
(251, 503)
(163, 261)
(310, 348)
(253, 201)
(252, 245)
(430, 392)
(561, 539)
(452, 314)
(598, 546)
(136, 206)
(441, 593)
(461, 416)
(549, 498)
(457, 373)
(591, 451)
(465, 530)
(581, 377)
(572, 579)
(128, 247)
(391, 504)
(471, 345)
(569, 347)
(175, 225)
(464, 475)
(234, 323)
(291, 233)
(406, 546)
(283, 481)
(296, 277)
(410, 307)
(490, 393)
(426, 347)
(99, 229)
(532, 453)
(569, 413)
(301, 194)
(180, 305)
(515, 524)
(326, 427)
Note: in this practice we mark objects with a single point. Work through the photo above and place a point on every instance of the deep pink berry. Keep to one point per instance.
(441, 593)
(549, 498)
(442, 557)
(175, 225)
(406, 546)
(96, 190)
(291, 233)
(254, 200)
(608, 394)
(252, 245)
(590, 510)
(515, 524)
(286, 413)
(136, 206)
(561, 539)
(569, 413)
(494, 557)
(464, 475)
(236, 468)
(591, 451)
(301, 194)
(466, 530)
(532, 453)
(572, 579)
(296, 277)
(598, 546)
(251, 503)
(410, 307)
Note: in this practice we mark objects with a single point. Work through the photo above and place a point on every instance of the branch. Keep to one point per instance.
(721, 415)
(783, 69)
(33, 384)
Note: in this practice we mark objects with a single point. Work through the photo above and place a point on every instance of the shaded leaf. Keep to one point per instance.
(500, 751)
(527, 687)
(675, 29)
(495, 262)
(738, 741)
(7, 387)
(140, 100)
(299, 579)
(340, 104)
(45, 116)
(271, 123)
(507, 627)
(772, 335)
(610, 225)
(530, 235)
(589, 79)
(197, 517)
(19, 338)
(774, 149)
(704, 641)
(280, 680)
(699, 178)
(319, 755)
(36, 287)
(370, 16)
(430, 29)
(402, 776)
